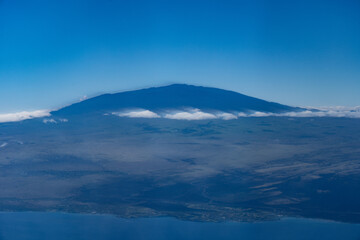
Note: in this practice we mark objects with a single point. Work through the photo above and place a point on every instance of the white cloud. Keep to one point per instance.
(193, 115)
(138, 114)
(188, 114)
(49, 120)
(259, 114)
(226, 116)
(20, 116)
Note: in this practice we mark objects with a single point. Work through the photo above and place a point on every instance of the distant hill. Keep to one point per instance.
(176, 96)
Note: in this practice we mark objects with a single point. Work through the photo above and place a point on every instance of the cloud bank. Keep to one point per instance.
(196, 114)
(20, 116)
(191, 114)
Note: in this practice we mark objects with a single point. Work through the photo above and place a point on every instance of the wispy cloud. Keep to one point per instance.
(137, 114)
(51, 120)
(347, 112)
(3, 145)
(19, 116)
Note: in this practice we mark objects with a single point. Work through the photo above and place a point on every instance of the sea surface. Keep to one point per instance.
(54, 226)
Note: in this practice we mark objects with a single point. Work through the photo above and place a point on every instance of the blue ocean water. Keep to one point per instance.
(54, 226)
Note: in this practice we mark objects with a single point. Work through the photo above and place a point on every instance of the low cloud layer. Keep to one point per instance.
(196, 114)
(346, 112)
(20, 116)
(191, 114)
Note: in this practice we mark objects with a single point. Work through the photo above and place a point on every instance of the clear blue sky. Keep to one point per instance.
(304, 52)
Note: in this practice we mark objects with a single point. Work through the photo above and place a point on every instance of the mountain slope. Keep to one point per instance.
(174, 96)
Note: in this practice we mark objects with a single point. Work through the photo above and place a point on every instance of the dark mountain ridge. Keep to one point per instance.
(176, 96)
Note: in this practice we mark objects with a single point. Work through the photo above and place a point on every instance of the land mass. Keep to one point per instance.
(245, 169)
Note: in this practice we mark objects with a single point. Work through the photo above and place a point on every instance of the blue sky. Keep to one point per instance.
(303, 53)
